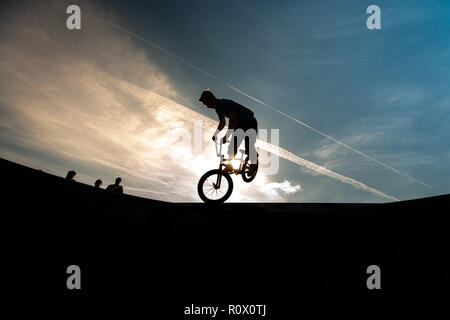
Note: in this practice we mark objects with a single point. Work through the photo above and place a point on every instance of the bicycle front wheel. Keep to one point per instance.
(210, 191)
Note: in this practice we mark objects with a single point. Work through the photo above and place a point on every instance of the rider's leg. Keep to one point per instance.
(246, 132)
(232, 147)
(250, 149)
(250, 140)
(236, 140)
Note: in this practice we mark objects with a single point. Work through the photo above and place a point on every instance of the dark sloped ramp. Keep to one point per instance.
(170, 255)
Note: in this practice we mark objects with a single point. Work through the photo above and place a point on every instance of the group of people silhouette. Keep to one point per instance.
(116, 187)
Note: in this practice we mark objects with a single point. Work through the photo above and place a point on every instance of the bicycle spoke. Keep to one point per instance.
(210, 191)
(215, 193)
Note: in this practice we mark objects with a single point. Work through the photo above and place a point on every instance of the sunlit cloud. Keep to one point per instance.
(87, 105)
(284, 186)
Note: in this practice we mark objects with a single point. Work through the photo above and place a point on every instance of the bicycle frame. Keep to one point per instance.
(225, 162)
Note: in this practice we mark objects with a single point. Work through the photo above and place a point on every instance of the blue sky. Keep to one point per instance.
(383, 92)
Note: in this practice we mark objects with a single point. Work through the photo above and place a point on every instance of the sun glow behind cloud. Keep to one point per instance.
(85, 103)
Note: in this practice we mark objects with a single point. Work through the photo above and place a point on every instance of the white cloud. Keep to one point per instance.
(284, 186)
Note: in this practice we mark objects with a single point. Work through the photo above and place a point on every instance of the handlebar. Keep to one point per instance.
(219, 142)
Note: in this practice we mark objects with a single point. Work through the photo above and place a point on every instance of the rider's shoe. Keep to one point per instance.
(252, 168)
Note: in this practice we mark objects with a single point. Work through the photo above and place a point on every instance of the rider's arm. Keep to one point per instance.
(231, 124)
(221, 125)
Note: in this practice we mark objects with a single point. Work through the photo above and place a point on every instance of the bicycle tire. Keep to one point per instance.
(202, 181)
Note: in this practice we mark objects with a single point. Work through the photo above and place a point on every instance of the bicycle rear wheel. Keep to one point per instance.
(210, 192)
(249, 171)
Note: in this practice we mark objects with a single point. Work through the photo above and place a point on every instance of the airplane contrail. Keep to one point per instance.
(259, 101)
(285, 154)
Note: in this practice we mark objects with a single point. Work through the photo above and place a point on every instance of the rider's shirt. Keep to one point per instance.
(225, 107)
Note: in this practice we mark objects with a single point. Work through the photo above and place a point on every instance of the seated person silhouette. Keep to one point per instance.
(98, 183)
(239, 117)
(70, 176)
(116, 187)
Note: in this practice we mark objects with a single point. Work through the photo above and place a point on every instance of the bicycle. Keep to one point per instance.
(212, 188)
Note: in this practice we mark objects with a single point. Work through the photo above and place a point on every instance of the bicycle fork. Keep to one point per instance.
(219, 179)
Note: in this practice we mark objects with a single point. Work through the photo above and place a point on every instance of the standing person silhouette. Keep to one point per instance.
(239, 117)
(71, 176)
(116, 187)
